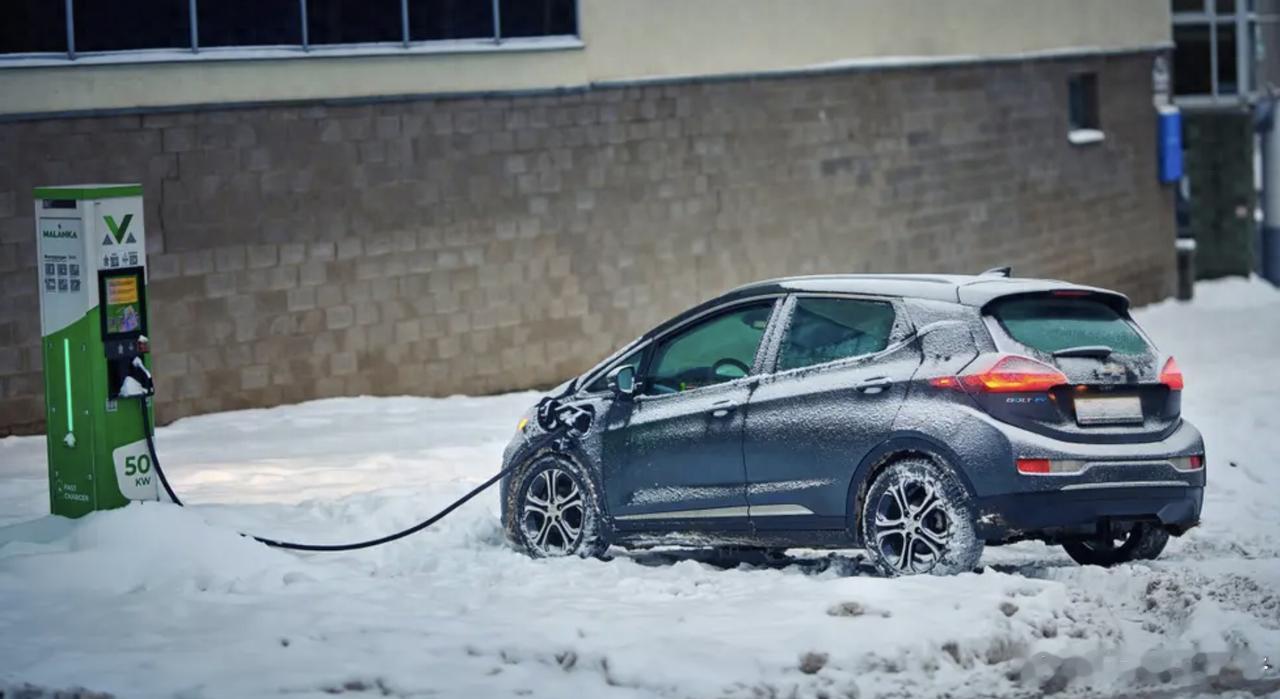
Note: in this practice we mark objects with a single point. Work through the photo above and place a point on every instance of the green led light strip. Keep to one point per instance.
(66, 371)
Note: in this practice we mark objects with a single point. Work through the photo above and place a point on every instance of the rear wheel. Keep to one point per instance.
(1136, 542)
(918, 518)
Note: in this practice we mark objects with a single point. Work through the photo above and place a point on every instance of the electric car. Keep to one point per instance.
(919, 417)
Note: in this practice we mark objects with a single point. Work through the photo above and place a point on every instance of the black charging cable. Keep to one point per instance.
(558, 428)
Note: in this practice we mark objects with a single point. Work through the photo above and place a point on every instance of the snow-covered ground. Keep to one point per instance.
(156, 601)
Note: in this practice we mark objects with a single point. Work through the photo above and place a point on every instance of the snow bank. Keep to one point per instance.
(139, 549)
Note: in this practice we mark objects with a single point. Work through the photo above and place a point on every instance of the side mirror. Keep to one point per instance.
(622, 380)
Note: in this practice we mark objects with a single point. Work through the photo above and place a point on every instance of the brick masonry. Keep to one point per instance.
(474, 245)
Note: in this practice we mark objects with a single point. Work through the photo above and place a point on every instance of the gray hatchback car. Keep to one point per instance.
(919, 417)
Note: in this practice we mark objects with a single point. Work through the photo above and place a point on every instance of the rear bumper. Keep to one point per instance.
(1064, 514)
(1119, 482)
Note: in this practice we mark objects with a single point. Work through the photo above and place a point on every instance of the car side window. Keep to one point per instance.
(827, 329)
(712, 351)
(602, 383)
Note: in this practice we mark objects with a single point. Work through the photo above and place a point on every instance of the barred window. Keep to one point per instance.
(44, 27)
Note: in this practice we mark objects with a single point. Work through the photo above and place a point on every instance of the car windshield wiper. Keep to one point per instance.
(1097, 351)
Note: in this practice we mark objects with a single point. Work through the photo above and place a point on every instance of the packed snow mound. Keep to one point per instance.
(141, 547)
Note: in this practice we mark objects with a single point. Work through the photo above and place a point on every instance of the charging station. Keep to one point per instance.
(91, 248)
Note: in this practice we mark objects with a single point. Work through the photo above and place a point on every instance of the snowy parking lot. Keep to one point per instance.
(157, 601)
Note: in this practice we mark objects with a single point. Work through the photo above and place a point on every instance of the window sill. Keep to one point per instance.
(267, 53)
(1083, 137)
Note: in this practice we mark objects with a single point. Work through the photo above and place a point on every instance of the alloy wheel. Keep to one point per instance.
(553, 513)
(912, 527)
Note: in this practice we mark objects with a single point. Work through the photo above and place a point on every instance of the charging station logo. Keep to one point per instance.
(119, 230)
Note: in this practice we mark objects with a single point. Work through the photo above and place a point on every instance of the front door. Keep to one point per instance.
(683, 466)
(840, 376)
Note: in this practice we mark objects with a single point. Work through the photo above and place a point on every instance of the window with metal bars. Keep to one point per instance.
(71, 27)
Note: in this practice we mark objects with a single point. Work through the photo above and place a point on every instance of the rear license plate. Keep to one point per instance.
(1116, 410)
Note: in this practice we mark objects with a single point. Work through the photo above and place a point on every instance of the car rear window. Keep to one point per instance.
(1050, 324)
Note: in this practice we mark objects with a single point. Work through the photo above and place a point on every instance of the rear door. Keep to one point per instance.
(841, 371)
(1114, 392)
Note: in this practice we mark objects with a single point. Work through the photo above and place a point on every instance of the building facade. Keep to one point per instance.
(333, 208)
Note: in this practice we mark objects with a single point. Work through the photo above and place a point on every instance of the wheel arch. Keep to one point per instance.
(896, 448)
(578, 459)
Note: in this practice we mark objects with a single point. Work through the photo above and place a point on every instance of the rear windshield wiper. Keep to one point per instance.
(1096, 351)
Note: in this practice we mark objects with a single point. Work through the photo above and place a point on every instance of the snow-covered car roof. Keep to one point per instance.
(970, 290)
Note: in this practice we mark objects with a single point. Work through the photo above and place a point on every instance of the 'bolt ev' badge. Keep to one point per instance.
(1110, 372)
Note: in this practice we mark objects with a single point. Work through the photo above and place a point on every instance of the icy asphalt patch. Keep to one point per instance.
(153, 601)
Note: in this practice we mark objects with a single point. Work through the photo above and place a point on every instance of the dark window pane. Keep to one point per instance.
(249, 22)
(1225, 7)
(1228, 79)
(1191, 62)
(31, 26)
(538, 17)
(713, 351)
(353, 21)
(1082, 95)
(1188, 5)
(826, 330)
(431, 20)
(120, 25)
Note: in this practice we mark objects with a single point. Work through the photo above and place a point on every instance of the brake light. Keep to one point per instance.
(1171, 375)
(1006, 373)
(1195, 461)
(1034, 466)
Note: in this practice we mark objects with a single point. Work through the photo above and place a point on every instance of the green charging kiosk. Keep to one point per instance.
(91, 248)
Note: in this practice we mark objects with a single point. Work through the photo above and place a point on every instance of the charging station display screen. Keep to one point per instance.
(123, 305)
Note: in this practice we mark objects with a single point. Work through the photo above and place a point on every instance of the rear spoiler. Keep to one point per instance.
(1117, 301)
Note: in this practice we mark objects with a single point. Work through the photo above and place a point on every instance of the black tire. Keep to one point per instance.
(572, 527)
(1142, 542)
(933, 533)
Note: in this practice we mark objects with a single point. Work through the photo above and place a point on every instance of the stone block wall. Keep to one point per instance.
(472, 245)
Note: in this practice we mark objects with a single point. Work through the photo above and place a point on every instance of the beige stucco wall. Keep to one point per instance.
(622, 39)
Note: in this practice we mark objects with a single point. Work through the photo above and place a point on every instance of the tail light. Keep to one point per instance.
(1171, 375)
(1034, 466)
(1005, 373)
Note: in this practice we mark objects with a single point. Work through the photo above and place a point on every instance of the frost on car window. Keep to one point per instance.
(825, 329)
(712, 351)
(1050, 324)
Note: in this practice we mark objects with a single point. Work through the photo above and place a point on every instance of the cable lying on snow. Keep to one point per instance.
(559, 420)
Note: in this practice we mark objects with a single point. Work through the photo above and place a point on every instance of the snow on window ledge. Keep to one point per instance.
(1082, 137)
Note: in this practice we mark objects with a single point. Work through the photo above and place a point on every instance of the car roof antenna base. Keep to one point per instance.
(998, 272)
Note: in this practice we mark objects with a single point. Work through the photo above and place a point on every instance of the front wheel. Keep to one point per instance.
(918, 518)
(1139, 541)
(554, 511)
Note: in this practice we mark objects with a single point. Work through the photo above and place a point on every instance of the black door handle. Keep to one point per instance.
(722, 408)
(874, 385)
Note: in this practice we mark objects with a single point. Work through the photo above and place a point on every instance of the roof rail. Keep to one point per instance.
(998, 272)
